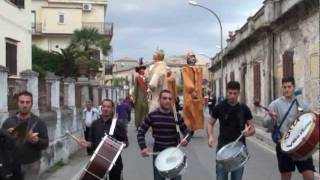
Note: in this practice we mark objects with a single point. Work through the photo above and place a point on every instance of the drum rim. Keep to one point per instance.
(175, 149)
(224, 147)
(303, 141)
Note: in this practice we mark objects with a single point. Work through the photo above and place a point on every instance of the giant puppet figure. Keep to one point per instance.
(172, 85)
(140, 94)
(157, 76)
(192, 93)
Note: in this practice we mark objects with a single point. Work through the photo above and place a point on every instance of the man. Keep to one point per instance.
(140, 95)
(233, 118)
(35, 140)
(164, 130)
(212, 102)
(278, 109)
(10, 168)
(192, 93)
(89, 114)
(123, 112)
(100, 127)
(158, 81)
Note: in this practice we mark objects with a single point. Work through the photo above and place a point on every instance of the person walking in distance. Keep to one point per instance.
(89, 114)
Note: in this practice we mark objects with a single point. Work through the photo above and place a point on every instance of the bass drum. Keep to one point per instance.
(171, 162)
(232, 156)
(301, 139)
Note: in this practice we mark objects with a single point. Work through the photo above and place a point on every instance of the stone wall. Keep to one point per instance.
(63, 107)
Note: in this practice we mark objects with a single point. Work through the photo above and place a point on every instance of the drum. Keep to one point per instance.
(301, 139)
(232, 156)
(103, 159)
(171, 162)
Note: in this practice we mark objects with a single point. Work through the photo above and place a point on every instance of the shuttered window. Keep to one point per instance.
(256, 81)
(11, 57)
(232, 76)
(287, 62)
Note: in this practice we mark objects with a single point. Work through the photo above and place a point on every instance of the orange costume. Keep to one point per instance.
(172, 86)
(192, 97)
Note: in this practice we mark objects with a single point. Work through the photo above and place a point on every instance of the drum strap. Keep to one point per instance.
(287, 113)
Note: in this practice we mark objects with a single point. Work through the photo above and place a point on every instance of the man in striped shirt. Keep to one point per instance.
(164, 130)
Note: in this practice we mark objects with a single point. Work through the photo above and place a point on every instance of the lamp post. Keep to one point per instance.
(194, 3)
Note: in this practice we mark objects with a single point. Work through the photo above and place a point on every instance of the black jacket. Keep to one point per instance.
(27, 152)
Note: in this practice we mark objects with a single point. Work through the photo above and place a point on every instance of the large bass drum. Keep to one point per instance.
(171, 162)
(232, 156)
(301, 139)
(103, 159)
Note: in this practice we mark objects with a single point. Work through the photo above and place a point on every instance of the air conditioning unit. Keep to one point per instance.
(86, 7)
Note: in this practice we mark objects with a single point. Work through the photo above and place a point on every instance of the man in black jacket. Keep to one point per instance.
(34, 137)
(100, 127)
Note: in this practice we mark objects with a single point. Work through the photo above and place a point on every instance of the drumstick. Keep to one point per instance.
(154, 153)
(246, 128)
(73, 137)
(185, 138)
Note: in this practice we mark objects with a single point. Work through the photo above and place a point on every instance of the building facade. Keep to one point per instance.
(54, 21)
(15, 35)
(280, 40)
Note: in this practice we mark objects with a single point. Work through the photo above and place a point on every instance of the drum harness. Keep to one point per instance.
(276, 134)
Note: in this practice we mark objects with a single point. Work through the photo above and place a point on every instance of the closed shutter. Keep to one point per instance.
(11, 58)
(287, 58)
(232, 76)
(256, 81)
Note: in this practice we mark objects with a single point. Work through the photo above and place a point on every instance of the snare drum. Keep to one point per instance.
(232, 156)
(171, 162)
(103, 159)
(301, 139)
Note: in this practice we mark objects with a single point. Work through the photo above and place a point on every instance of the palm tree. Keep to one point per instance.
(88, 39)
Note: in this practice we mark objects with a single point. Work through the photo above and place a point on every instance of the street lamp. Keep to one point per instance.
(194, 3)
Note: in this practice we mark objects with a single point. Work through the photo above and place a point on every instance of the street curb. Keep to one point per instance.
(265, 138)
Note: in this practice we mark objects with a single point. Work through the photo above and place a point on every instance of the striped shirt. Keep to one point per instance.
(164, 130)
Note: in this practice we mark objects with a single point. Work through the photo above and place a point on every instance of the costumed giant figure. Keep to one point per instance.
(192, 93)
(157, 76)
(140, 94)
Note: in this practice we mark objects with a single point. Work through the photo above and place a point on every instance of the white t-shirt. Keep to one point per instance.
(89, 118)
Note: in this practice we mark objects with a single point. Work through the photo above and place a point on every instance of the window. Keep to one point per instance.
(256, 81)
(33, 21)
(11, 56)
(61, 18)
(287, 63)
(232, 76)
(18, 3)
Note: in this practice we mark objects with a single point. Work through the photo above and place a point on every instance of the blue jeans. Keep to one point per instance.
(223, 175)
(156, 174)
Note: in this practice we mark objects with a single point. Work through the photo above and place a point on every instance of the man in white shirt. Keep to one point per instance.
(89, 114)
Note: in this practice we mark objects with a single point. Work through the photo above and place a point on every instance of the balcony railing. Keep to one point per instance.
(36, 28)
(103, 28)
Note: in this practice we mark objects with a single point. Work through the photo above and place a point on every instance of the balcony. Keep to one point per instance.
(103, 28)
(36, 28)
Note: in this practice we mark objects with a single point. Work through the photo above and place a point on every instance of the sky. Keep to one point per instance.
(142, 26)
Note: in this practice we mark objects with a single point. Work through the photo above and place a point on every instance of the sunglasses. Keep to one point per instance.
(165, 98)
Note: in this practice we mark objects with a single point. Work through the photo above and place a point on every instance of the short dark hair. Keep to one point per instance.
(108, 100)
(234, 85)
(164, 91)
(24, 93)
(288, 79)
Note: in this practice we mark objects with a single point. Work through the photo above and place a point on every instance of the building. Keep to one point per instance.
(54, 21)
(15, 35)
(281, 39)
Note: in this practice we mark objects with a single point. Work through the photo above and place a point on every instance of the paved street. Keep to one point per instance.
(261, 166)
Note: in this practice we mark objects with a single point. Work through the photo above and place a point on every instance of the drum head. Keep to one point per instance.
(169, 159)
(229, 150)
(298, 130)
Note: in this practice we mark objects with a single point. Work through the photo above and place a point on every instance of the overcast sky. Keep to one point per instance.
(140, 26)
